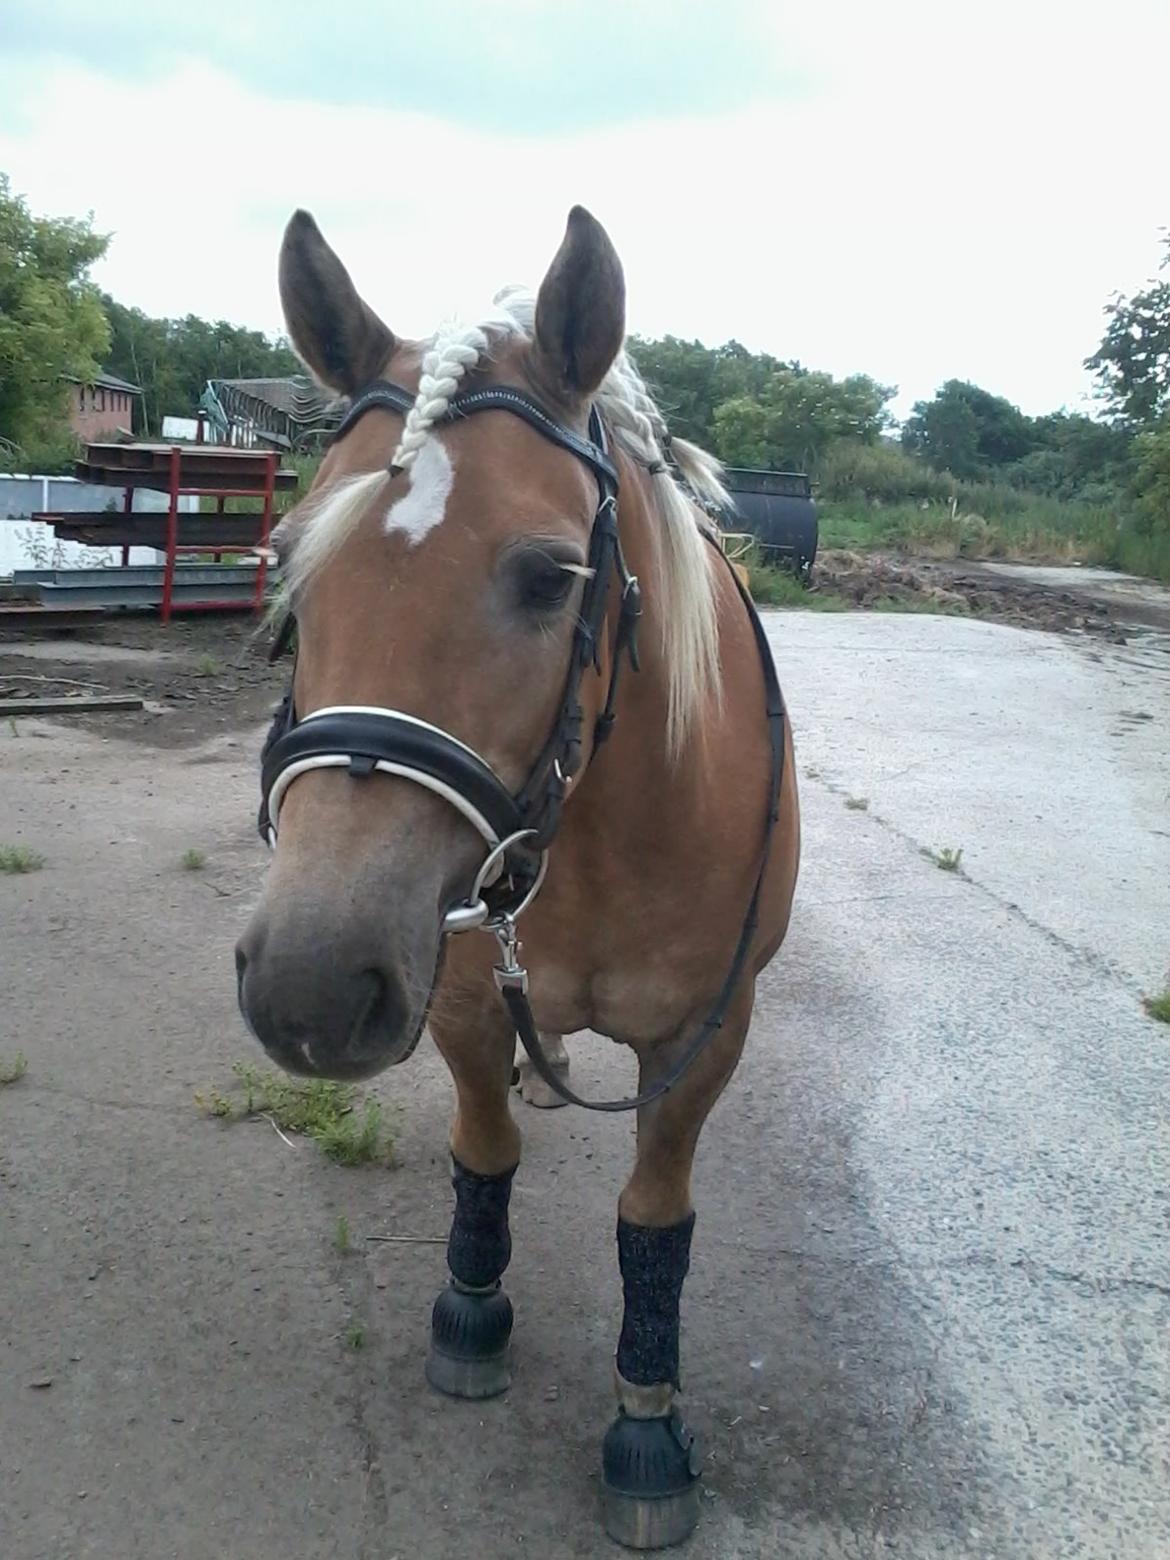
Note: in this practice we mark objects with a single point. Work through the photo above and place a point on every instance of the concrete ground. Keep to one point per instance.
(929, 1303)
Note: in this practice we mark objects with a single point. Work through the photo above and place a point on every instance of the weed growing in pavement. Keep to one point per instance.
(347, 1130)
(13, 1071)
(18, 859)
(946, 858)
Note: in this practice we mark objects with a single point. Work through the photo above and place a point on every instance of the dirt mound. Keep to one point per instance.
(883, 582)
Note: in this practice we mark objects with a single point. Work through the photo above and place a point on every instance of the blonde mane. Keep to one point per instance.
(684, 596)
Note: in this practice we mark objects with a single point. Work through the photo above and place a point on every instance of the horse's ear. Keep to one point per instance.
(580, 309)
(341, 338)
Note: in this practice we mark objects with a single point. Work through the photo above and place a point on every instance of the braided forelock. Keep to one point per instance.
(456, 349)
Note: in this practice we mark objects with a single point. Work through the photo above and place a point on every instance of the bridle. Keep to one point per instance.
(517, 828)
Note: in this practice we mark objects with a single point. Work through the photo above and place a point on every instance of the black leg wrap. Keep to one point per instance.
(653, 1264)
(471, 1323)
(480, 1247)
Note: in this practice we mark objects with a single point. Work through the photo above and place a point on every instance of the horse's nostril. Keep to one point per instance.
(382, 1013)
(241, 965)
(372, 1013)
(375, 987)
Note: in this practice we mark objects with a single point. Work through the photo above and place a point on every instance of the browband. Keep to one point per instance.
(504, 398)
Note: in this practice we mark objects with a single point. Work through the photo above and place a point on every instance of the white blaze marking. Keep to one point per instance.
(423, 506)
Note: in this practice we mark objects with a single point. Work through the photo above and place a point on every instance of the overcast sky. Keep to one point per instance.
(914, 190)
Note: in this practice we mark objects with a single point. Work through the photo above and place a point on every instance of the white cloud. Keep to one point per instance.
(955, 199)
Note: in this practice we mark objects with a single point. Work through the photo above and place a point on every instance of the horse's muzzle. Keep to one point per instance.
(321, 1019)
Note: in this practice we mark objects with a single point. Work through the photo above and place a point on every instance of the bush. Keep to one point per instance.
(881, 473)
(50, 455)
(1138, 554)
(1151, 483)
(1002, 525)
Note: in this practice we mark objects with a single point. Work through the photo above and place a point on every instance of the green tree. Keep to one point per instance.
(172, 360)
(1132, 364)
(968, 431)
(689, 380)
(1075, 457)
(680, 375)
(1151, 480)
(797, 416)
(51, 319)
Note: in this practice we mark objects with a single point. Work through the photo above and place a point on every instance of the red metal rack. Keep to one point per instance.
(174, 548)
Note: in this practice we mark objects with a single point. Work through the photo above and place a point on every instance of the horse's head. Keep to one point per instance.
(436, 569)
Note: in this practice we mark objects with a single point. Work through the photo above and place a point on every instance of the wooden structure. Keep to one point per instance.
(181, 470)
(292, 413)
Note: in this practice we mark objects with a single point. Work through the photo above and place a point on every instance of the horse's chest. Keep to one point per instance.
(635, 1000)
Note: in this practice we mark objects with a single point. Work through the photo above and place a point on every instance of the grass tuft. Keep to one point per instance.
(17, 859)
(857, 803)
(193, 860)
(946, 858)
(1158, 1007)
(328, 1113)
(13, 1071)
(773, 587)
(355, 1335)
(341, 1240)
(925, 604)
(207, 666)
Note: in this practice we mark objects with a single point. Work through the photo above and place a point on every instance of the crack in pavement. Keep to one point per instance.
(1087, 956)
(375, 1500)
(1099, 1285)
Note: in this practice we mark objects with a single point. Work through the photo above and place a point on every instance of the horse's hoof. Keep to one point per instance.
(469, 1355)
(534, 1091)
(650, 1481)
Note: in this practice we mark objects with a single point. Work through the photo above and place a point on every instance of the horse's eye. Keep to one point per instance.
(542, 582)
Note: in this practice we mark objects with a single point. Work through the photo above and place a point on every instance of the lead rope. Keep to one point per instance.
(512, 978)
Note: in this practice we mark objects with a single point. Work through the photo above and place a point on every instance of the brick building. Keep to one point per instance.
(101, 406)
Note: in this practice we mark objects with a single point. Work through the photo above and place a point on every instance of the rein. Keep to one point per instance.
(517, 829)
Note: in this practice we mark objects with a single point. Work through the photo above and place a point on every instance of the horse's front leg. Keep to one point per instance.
(650, 1468)
(471, 1324)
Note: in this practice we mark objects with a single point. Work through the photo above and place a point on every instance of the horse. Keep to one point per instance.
(528, 687)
